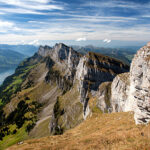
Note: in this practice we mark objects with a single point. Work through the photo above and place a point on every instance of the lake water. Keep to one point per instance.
(5, 74)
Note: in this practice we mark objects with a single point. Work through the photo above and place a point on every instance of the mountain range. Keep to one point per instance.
(58, 89)
(9, 59)
(27, 50)
(124, 54)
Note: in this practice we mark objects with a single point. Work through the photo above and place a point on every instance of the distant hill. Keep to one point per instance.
(9, 59)
(124, 54)
(27, 50)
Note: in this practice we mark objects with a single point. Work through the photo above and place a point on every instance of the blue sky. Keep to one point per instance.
(74, 21)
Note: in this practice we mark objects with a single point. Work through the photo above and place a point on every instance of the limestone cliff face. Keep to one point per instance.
(61, 54)
(140, 81)
(103, 96)
(131, 91)
(65, 54)
(65, 60)
(119, 92)
(112, 96)
(94, 69)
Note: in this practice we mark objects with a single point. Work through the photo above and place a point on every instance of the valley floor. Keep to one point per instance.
(116, 131)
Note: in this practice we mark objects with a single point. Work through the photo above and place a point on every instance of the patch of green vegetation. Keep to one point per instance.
(11, 139)
(57, 114)
(95, 109)
(67, 111)
(19, 122)
(13, 83)
(107, 87)
(25, 113)
(1, 102)
(41, 130)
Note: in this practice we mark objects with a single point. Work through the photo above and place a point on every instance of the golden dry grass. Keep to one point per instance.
(116, 131)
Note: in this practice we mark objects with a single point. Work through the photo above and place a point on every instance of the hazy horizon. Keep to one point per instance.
(96, 43)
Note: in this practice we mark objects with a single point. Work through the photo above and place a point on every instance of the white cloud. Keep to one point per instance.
(106, 40)
(32, 4)
(35, 42)
(117, 3)
(6, 24)
(21, 11)
(29, 6)
(81, 39)
(66, 26)
(40, 1)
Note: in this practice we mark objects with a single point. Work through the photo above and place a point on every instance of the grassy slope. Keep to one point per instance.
(21, 133)
(116, 131)
(13, 139)
(68, 110)
(13, 86)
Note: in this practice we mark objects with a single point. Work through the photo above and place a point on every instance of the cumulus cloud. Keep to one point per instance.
(106, 40)
(81, 39)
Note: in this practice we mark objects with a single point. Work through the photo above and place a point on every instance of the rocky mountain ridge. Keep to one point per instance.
(62, 87)
(69, 73)
(89, 71)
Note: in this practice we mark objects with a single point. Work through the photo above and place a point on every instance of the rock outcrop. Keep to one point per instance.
(119, 92)
(65, 60)
(94, 69)
(131, 91)
(103, 96)
(112, 96)
(140, 84)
